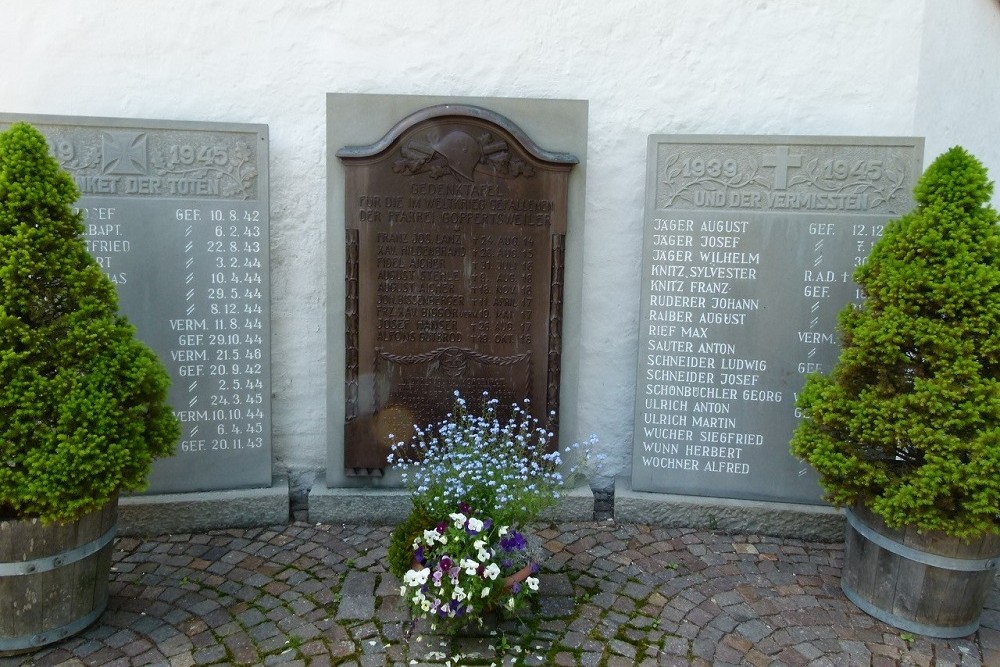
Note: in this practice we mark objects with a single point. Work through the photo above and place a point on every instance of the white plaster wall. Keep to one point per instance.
(958, 94)
(685, 66)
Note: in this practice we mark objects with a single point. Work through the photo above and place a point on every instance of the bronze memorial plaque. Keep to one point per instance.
(456, 223)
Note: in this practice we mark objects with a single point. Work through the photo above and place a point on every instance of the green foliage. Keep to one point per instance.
(909, 421)
(82, 409)
(401, 540)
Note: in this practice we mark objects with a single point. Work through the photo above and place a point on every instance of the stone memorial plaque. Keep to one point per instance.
(748, 253)
(177, 215)
(455, 234)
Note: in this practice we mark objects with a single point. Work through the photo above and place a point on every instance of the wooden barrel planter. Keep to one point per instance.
(54, 578)
(930, 583)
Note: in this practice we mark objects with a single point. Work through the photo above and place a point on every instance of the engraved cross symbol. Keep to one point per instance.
(123, 153)
(781, 161)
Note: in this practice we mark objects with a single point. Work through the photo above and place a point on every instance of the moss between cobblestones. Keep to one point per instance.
(286, 611)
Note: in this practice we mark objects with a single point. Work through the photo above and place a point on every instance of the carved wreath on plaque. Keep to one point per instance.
(459, 153)
(684, 172)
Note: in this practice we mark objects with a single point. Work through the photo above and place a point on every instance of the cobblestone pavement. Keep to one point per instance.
(613, 594)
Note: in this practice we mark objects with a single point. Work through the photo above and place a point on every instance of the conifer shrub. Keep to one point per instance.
(82, 402)
(908, 423)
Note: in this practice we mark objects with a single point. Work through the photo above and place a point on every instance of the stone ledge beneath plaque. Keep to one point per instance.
(799, 521)
(358, 505)
(204, 510)
(391, 506)
(576, 504)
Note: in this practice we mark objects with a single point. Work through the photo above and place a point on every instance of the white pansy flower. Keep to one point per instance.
(416, 577)
(430, 536)
(492, 570)
(475, 524)
(483, 556)
(503, 530)
(479, 544)
(458, 518)
(532, 583)
(486, 592)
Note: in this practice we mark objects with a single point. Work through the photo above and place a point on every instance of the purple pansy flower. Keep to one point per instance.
(513, 541)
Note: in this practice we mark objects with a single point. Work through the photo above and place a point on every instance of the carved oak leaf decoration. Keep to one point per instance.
(438, 171)
(671, 159)
(242, 152)
(519, 167)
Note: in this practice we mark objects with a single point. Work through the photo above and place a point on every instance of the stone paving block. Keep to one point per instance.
(673, 661)
(358, 583)
(138, 648)
(176, 645)
(550, 606)
(209, 654)
(725, 654)
(754, 630)
(621, 648)
(564, 659)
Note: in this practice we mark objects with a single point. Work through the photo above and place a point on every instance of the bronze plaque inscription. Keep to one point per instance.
(455, 234)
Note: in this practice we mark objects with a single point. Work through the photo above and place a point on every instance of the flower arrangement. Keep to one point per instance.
(464, 566)
(507, 466)
(475, 481)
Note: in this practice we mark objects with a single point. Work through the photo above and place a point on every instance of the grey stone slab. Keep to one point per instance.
(576, 504)
(387, 506)
(176, 213)
(194, 512)
(358, 505)
(807, 522)
(750, 243)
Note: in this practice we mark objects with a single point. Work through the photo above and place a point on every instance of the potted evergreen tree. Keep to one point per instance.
(906, 430)
(82, 404)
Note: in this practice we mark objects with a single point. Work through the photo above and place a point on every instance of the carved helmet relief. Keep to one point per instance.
(461, 151)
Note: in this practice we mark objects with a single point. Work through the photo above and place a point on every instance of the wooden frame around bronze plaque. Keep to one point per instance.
(455, 238)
